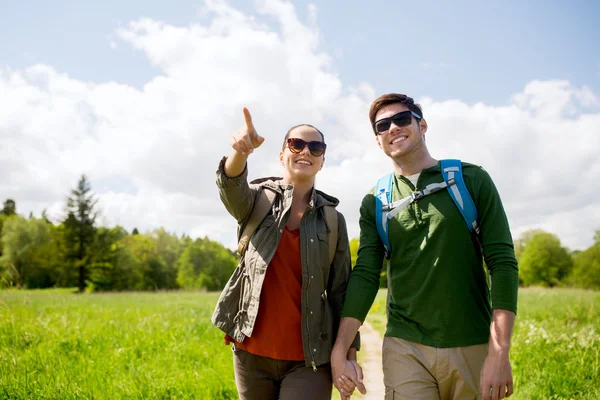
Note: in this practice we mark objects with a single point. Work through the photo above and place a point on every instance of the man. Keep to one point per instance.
(445, 337)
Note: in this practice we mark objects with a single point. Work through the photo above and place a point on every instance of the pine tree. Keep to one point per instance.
(79, 229)
(9, 208)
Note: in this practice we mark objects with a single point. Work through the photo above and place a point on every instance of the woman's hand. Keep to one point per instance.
(246, 139)
(243, 143)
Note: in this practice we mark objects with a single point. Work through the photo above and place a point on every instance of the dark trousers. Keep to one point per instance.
(264, 378)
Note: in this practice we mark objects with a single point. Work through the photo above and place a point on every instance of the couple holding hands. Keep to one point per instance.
(293, 306)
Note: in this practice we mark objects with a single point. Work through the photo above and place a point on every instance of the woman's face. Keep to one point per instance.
(303, 165)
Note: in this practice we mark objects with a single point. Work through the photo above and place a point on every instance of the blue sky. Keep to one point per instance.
(475, 51)
(142, 96)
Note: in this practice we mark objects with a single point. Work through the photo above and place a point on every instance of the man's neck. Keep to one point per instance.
(413, 163)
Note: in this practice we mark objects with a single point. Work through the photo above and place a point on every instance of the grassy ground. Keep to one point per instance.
(60, 345)
(555, 352)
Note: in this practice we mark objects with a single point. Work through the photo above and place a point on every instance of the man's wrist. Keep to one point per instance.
(338, 353)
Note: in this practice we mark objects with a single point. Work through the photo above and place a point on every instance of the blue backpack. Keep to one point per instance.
(385, 209)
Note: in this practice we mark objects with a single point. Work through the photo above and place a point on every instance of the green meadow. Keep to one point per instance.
(55, 344)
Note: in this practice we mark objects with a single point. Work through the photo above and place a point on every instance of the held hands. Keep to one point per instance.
(246, 139)
(347, 375)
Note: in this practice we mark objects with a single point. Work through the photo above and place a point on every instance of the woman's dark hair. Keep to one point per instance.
(287, 135)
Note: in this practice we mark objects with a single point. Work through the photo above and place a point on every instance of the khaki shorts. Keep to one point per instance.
(416, 371)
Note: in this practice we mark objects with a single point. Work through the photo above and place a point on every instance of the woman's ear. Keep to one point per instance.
(281, 157)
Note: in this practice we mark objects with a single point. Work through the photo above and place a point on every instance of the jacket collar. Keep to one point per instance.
(318, 198)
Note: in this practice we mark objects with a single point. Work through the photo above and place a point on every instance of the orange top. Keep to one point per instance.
(277, 332)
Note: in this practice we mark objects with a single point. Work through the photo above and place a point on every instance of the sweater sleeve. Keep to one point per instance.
(497, 244)
(339, 275)
(364, 279)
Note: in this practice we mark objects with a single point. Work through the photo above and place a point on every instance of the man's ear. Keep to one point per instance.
(378, 140)
(423, 125)
(322, 162)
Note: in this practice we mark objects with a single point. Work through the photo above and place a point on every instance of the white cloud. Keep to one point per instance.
(151, 154)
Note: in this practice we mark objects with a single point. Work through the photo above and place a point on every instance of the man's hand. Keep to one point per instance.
(496, 376)
(246, 139)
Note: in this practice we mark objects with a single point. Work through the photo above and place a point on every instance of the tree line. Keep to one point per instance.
(76, 252)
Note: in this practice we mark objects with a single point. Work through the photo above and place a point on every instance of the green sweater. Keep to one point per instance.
(438, 292)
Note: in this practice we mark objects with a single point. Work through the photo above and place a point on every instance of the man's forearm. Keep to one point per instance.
(345, 337)
(501, 331)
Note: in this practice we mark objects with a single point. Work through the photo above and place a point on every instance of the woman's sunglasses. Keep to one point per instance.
(316, 148)
(401, 119)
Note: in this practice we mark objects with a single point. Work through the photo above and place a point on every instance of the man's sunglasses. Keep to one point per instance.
(401, 119)
(316, 148)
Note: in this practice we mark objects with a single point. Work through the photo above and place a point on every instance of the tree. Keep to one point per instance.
(135, 231)
(586, 269)
(544, 261)
(169, 248)
(111, 263)
(522, 241)
(205, 264)
(30, 257)
(79, 228)
(9, 208)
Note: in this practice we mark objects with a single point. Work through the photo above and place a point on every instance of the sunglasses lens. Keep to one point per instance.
(296, 145)
(316, 148)
(403, 118)
(383, 126)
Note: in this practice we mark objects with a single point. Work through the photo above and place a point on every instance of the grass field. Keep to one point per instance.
(59, 345)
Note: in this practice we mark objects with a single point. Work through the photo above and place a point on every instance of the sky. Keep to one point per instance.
(143, 97)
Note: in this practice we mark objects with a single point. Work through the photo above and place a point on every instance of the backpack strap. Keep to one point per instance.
(262, 205)
(452, 170)
(332, 223)
(383, 199)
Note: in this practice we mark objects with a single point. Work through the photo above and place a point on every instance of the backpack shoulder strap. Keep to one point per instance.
(452, 169)
(383, 199)
(331, 217)
(262, 205)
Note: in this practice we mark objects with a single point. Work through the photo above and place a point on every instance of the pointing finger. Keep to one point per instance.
(248, 119)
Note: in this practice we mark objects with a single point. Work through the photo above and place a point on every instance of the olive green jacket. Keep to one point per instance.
(323, 285)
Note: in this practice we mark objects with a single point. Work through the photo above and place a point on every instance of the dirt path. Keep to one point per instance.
(370, 360)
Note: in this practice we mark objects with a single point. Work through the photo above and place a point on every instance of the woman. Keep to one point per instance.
(281, 307)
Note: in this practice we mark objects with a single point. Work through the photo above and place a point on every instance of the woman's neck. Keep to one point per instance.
(302, 189)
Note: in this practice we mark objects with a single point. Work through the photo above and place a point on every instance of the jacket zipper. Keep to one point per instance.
(314, 365)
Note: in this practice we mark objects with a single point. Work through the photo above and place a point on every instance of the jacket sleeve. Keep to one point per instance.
(237, 196)
(339, 276)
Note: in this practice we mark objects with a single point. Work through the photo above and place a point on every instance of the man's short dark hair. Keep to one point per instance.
(392, 98)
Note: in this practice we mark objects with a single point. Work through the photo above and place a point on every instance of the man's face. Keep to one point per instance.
(401, 141)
